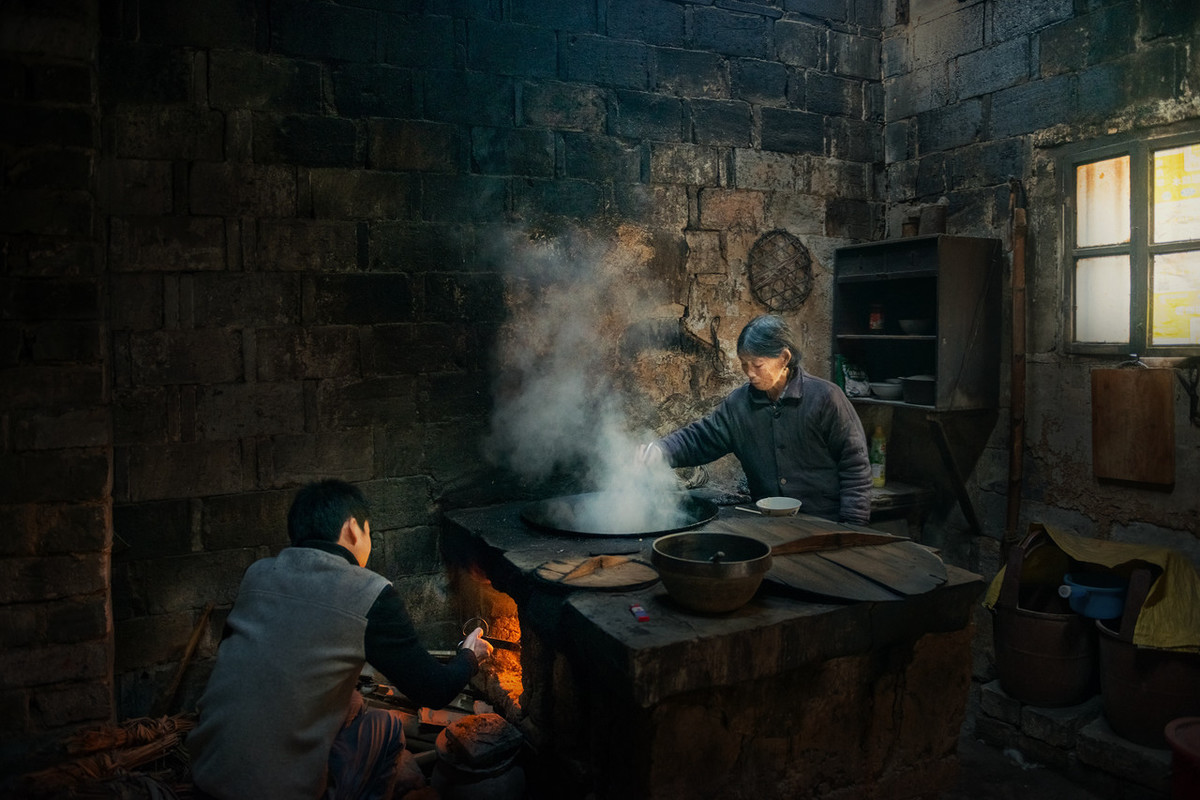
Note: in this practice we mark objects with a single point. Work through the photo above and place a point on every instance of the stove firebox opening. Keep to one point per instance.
(479, 604)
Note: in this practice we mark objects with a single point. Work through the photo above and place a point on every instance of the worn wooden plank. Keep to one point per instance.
(900, 569)
(833, 540)
(773, 530)
(903, 567)
(808, 573)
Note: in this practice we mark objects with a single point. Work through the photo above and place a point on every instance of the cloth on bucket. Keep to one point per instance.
(1170, 617)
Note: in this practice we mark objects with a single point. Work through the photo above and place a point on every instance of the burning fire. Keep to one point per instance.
(496, 612)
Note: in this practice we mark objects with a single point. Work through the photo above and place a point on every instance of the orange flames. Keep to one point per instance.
(478, 600)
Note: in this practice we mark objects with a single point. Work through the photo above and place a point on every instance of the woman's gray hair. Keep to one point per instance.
(767, 336)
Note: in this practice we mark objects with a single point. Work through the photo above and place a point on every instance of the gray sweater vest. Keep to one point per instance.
(284, 677)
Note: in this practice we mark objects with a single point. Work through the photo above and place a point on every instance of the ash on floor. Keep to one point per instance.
(987, 773)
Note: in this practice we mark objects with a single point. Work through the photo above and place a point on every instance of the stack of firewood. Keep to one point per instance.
(140, 758)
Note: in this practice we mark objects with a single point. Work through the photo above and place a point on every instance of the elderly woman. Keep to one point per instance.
(795, 434)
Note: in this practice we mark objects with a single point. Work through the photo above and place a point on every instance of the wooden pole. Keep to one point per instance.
(173, 689)
(1017, 399)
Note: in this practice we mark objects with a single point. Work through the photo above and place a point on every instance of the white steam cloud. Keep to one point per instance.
(558, 408)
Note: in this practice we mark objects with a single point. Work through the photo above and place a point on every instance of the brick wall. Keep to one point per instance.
(251, 244)
(303, 204)
(56, 662)
(978, 93)
(248, 244)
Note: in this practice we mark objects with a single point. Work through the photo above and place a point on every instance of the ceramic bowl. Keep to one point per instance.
(887, 390)
(778, 506)
(916, 327)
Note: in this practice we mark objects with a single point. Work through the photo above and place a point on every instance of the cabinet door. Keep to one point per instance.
(969, 324)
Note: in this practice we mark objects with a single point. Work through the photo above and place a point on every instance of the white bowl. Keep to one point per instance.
(916, 327)
(778, 506)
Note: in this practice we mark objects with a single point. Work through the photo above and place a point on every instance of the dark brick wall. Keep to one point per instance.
(262, 239)
(301, 202)
(56, 632)
(980, 93)
(967, 81)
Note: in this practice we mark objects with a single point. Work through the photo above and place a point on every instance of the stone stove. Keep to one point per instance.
(787, 696)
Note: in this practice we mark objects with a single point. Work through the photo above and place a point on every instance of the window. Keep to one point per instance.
(1132, 224)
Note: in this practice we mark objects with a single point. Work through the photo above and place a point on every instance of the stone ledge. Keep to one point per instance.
(995, 732)
(1099, 747)
(1059, 727)
(994, 702)
(1075, 741)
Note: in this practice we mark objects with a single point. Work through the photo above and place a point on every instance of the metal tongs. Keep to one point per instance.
(480, 622)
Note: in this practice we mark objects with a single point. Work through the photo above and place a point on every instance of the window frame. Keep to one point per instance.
(1140, 249)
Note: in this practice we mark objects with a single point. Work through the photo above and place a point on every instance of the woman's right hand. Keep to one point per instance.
(651, 455)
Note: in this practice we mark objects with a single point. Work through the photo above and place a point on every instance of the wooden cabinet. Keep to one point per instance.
(952, 285)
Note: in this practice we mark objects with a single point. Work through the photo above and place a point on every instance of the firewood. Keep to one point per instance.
(137, 731)
(97, 767)
(481, 740)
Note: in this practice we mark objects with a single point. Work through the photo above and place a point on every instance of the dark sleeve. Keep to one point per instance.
(848, 446)
(700, 442)
(392, 648)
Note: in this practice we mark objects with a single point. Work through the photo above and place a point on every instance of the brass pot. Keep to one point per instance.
(712, 573)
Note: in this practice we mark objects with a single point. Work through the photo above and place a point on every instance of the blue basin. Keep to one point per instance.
(1098, 595)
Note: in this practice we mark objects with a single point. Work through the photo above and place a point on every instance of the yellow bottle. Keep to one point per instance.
(878, 457)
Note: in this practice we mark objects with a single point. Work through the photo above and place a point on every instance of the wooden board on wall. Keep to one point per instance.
(1133, 425)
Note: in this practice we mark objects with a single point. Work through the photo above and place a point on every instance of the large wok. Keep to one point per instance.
(609, 514)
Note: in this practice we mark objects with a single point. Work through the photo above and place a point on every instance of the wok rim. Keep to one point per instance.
(534, 514)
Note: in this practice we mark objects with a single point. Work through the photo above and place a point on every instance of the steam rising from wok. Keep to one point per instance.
(558, 406)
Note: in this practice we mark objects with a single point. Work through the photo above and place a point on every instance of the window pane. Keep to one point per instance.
(1102, 202)
(1177, 194)
(1177, 298)
(1102, 299)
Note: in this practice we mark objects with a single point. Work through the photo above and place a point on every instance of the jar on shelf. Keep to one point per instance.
(875, 319)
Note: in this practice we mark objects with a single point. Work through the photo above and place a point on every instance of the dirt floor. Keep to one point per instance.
(988, 773)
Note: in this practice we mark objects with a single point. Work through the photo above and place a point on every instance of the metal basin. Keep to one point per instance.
(712, 573)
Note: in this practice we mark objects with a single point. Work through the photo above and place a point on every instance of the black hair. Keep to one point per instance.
(320, 509)
(767, 336)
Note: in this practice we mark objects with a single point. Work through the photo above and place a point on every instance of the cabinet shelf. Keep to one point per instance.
(894, 337)
(878, 401)
(954, 281)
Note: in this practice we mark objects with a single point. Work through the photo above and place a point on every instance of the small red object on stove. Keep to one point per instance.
(640, 612)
